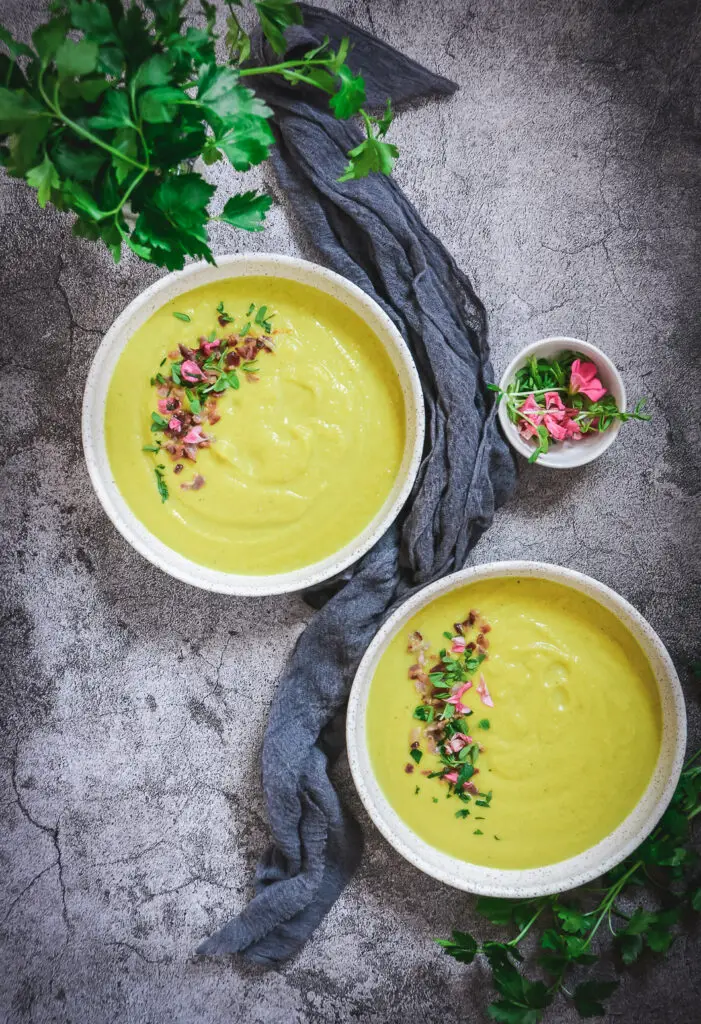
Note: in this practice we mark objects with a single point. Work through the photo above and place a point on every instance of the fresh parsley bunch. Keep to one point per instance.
(567, 927)
(104, 114)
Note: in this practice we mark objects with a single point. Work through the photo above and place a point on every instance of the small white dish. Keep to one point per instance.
(566, 874)
(138, 312)
(565, 454)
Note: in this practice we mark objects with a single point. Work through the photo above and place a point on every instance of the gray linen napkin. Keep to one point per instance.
(369, 232)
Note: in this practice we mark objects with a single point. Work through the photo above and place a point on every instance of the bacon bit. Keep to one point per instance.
(191, 372)
(458, 628)
(484, 646)
(198, 481)
(415, 745)
(185, 352)
(471, 617)
(457, 742)
(426, 771)
(223, 320)
(458, 645)
(174, 355)
(248, 351)
(233, 359)
(190, 452)
(408, 768)
(484, 692)
(469, 647)
(195, 436)
(415, 642)
(252, 378)
(179, 468)
(486, 628)
(265, 343)
(162, 392)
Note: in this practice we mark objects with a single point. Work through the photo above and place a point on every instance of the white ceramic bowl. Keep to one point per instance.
(137, 312)
(566, 874)
(565, 454)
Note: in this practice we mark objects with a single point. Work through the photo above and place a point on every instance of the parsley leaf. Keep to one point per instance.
(350, 96)
(275, 16)
(588, 997)
(461, 947)
(43, 177)
(370, 156)
(247, 210)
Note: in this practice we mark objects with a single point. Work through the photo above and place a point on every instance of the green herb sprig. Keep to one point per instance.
(112, 102)
(567, 926)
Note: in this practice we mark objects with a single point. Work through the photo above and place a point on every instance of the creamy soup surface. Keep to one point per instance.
(569, 745)
(302, 458)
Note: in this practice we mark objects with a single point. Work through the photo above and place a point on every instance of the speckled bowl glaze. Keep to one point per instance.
(136, 314)
(566, 874)
(565, 454)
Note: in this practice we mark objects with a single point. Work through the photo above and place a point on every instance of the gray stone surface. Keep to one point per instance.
(564, 178)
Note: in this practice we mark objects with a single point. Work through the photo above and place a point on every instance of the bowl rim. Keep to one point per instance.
(561, 875)
(99, 376)
(581, 455)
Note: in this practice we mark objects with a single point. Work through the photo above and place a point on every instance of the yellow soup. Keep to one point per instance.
(308, 445)
(568, 747)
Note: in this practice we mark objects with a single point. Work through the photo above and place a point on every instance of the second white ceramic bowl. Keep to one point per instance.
(566, 874)
(138, 312)
(565, 454)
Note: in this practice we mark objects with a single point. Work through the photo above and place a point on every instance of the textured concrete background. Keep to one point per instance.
(563, 177)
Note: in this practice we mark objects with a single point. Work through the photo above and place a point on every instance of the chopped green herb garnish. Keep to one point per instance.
(245, 329)
(193, 402)
(435, 799)
(262, 319)
(158, 422)
(462, 813)
(151, 448)
(175, 373)
(416, 755)
(483, 723)
(160, 482)
(163, 361)
(182, 316)
(250, 309)
(478, 832)
(224, 317)
(417, 790)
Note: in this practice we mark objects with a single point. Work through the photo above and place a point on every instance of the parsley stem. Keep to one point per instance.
(539, 391)
(83, 132)
(277, 69)
(692, 759)
(526, 928)
(608, 902)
